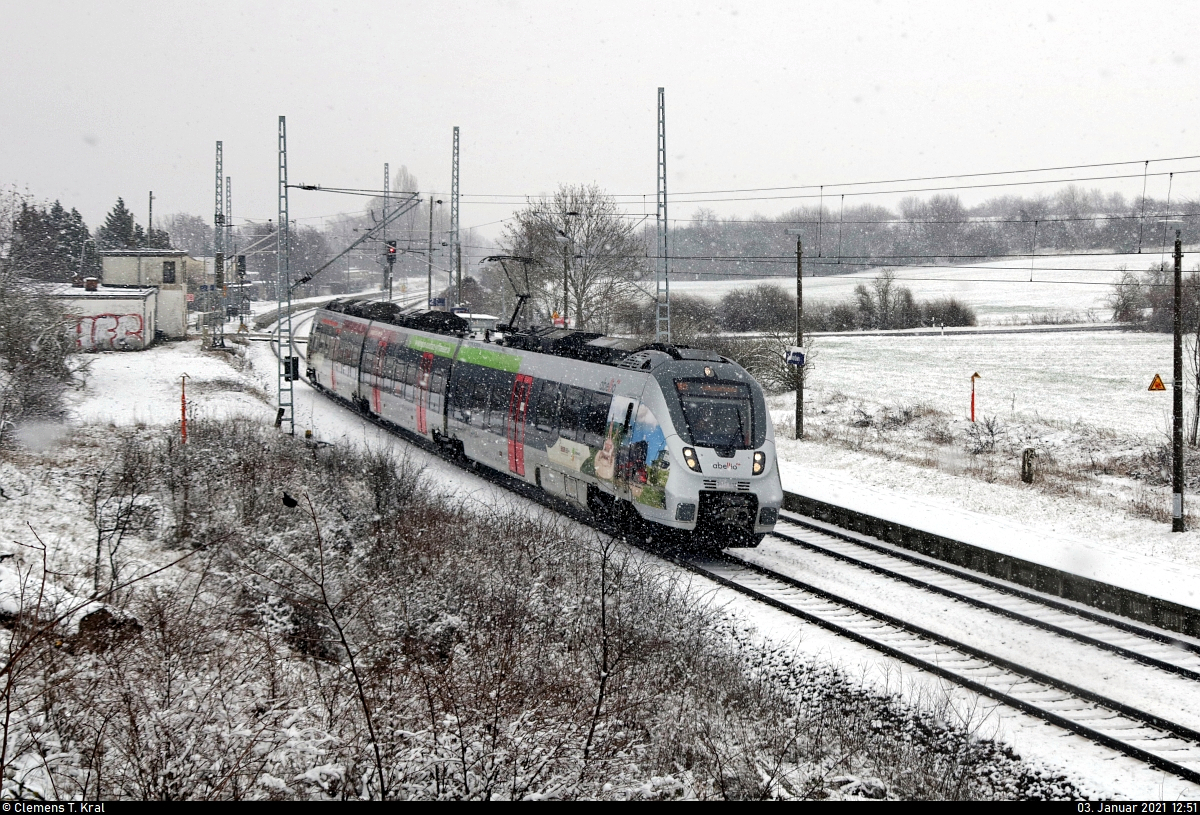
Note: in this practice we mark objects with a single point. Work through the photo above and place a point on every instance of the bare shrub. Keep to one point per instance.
(118, 499)
(377, 642)
(939, 432)
(985, 435)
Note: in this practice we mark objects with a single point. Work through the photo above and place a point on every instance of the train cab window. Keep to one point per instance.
(718, 414)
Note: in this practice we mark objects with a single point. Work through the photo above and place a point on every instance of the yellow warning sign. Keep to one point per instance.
(1157, 384)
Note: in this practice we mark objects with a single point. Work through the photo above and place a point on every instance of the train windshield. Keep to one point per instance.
(719, 414)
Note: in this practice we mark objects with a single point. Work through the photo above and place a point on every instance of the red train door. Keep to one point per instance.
(514, 426)
(377, 373)
(423, 391)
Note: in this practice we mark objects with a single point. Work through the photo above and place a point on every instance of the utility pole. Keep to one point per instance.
(455, 251)
(283, 288)
(1177, 418)
(150, 219)
(566, 279)
(799, 331)
(662, 278)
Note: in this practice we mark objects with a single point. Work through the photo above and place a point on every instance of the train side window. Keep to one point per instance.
(479, 402)
(370, 357)
(501, 392)
(593, 417)
(477, 397)
(545, 416)
(411, 371)
(388, 369)
(404, 374)
(570, 414)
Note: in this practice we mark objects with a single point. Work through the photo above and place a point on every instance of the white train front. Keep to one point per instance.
(676, 437)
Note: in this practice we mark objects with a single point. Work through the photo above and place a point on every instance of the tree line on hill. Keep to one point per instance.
(936, 230)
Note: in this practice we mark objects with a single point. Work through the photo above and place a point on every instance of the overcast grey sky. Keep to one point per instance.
(114, 99)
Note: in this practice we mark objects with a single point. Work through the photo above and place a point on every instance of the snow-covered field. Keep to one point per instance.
(1001, 292)
(1096, 378)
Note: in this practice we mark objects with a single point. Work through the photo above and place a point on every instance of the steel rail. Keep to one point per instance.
(1102, 707)
(986, 605)
(1123, 624)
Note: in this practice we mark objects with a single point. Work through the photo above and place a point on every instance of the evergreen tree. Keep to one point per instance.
(158, 239)
(119, 230)
(48, 243)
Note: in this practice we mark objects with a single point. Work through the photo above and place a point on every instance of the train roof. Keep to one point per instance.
(587, 346)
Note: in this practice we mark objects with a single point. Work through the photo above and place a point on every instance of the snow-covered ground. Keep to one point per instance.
(126, 389)
(1076, 397)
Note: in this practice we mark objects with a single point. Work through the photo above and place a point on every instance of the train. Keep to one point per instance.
(657, 438)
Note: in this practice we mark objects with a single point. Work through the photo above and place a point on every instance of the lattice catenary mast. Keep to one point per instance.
(389, 258)
(662, 274)
(455, 248)
(229, 249)
(283, 289)
(215, 296)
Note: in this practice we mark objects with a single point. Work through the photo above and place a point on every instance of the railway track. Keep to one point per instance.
(1126, 728)
(1166, 651)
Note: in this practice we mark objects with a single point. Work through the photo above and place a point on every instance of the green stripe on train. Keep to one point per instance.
(489, 359)
(438, 347)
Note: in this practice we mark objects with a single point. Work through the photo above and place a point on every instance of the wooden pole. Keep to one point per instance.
(1177, 418)
(799, 337)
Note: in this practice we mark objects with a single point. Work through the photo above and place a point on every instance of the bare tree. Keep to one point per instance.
(578, 235)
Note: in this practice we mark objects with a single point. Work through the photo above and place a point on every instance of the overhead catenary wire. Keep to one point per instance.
(908, 180)
(477, 199)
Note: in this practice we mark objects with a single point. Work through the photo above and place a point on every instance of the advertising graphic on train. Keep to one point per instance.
(620, 416)
(642, 462)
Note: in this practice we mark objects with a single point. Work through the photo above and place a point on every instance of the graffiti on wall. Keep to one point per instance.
(110, 332)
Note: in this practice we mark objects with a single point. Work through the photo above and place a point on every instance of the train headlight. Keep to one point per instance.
(689, 458)
(760, 462)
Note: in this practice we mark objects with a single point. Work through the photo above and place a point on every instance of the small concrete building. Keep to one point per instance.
(108, 318)
(164, 269)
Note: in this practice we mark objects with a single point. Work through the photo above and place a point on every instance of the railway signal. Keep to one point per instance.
(799, 331)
